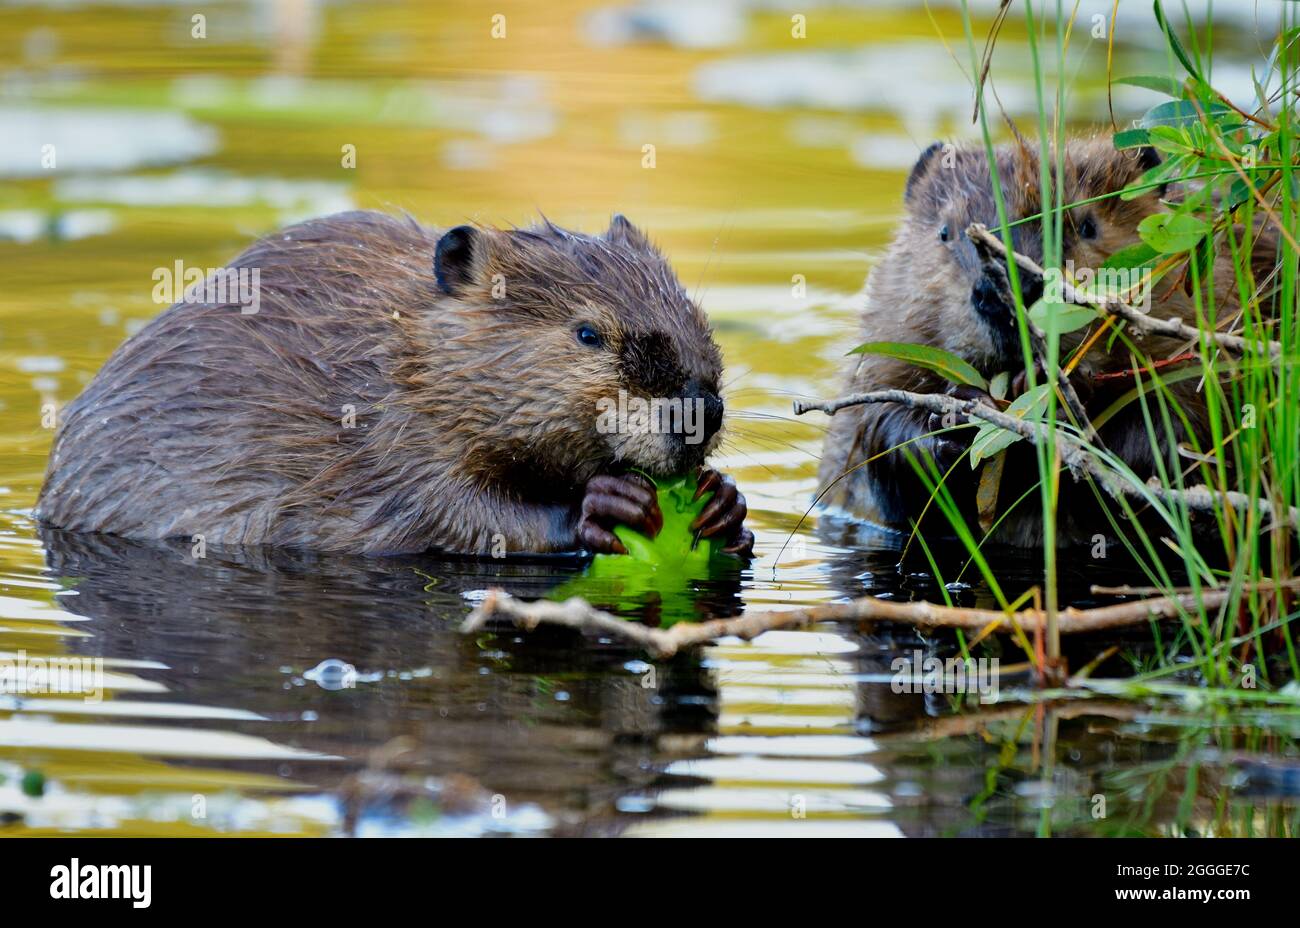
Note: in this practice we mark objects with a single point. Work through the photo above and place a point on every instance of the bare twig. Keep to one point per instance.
(1074, 454)
(1170, 328)
(1264, 584)
(578, 614)
(986, 61)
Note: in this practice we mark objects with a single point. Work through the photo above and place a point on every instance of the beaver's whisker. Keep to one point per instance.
(708, 263)
(773, 391)
(735, 449)
(775, 442)
(773, 417)
(745, 373)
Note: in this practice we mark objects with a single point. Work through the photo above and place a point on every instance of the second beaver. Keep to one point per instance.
(405, 389)
(931, 289)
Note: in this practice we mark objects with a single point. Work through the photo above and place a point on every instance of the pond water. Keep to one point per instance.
(274, 692)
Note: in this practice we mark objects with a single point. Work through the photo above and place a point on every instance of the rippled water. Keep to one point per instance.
(274, 692)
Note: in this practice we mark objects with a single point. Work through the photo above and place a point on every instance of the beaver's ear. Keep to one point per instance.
(919, 170)
(622, 232)
(458, 258)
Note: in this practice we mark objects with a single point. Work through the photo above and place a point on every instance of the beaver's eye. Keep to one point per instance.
(944, 234)
(588, 336)
(1088, 228)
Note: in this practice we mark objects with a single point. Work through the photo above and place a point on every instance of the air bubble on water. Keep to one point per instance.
(332, 674)
(634, 804)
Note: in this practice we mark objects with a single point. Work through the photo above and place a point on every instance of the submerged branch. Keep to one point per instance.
(578, 614)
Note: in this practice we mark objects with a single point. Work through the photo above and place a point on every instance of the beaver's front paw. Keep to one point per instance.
(724, 515)
(947, 446)
(628, 500)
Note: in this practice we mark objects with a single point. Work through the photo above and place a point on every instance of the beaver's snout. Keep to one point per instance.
(702, 420)
(713, 409)
(987, 299)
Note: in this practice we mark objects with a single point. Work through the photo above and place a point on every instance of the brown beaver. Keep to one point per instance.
(402, 389)
(931, 288)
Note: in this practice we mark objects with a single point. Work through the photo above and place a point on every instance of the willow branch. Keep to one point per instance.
(1170, 328)
(1074, 454)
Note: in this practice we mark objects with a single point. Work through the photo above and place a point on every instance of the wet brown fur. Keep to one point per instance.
(475, 412)
(923, 291)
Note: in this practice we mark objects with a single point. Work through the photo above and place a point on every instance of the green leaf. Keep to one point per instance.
(999, 384)
(1166, 85)
(1179, 52)
(1181, 113)
(673, 545)
(1134, 256)
(1170, 140)
(33, 784)
(1069, 316)
(944, 363)
(1239, 192)
(1132, 138)
(991, 439)
(661, 573)
(1172, 233)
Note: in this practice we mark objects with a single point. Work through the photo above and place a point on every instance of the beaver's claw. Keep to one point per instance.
(724, 515)
(609, 501)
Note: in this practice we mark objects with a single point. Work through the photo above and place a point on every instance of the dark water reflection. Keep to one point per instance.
(798, 732)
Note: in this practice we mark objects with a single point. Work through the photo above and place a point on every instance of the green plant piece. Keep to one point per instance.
(1134, 256)
(991, 438)
(944, 363)
(1172, 233)
(33, 784)
(664, 572)
(1165, 85)
(675, 544)
(1132, 138)
(1069, 316)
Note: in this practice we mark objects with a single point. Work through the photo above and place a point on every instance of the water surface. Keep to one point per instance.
(285, 693)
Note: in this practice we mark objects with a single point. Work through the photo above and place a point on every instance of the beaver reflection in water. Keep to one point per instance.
(404, 390)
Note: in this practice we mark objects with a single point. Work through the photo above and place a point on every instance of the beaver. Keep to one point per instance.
(931, 288)
(403, 389)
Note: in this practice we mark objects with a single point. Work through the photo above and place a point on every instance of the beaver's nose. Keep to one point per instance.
(990, 298)
(712, 414)
(987, 300)
(710, 403)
